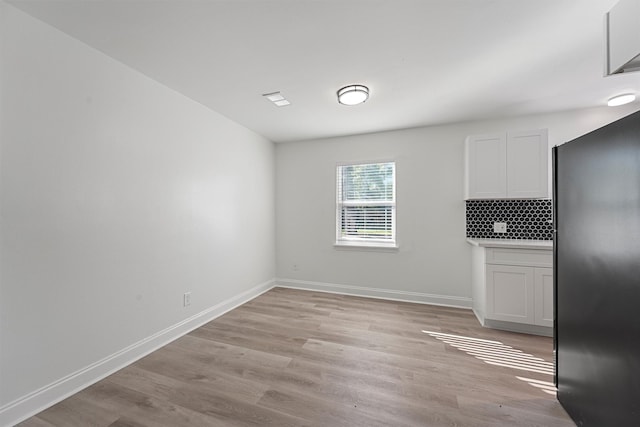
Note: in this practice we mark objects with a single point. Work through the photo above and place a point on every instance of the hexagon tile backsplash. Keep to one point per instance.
(526, 219)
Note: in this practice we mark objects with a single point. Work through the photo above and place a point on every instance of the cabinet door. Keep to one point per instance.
(544, 296)
(486, 169)
(622, 38)
(510, 293)
(528, 164)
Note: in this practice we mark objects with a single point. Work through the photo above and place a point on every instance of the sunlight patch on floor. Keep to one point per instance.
(545, 386)
(499, 354)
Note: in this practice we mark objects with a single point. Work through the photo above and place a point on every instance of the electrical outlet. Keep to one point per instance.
(499, 227)
(186, 299)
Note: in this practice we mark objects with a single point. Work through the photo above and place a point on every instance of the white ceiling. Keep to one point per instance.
(426, 62)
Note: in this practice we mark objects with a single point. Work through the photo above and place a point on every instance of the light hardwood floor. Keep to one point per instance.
(299, 358)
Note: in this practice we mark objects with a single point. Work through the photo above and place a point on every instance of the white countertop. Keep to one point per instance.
(512, 243)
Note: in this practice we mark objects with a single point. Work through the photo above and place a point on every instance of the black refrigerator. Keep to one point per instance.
(597, 275)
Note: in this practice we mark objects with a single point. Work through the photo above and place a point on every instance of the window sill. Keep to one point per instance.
(367, 246)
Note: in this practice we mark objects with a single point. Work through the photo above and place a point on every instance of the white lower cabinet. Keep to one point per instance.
(510, 293)
(515, 289)
(543, 303)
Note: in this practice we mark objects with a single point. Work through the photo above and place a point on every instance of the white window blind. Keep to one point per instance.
(366, 203)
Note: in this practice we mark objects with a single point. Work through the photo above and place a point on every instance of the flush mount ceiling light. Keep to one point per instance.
(277, 98)
(353, 94)
(621, 99)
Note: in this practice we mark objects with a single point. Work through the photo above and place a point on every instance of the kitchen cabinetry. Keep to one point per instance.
(622, 44)
(513, 287)
(510, 293)
(543, 298)
(511, 165)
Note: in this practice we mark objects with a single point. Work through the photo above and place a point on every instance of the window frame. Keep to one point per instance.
(362, 242)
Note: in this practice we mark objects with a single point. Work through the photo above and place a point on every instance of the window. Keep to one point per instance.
(366, 204)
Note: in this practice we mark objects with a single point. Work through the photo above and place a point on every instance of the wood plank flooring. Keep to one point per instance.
(300, 358)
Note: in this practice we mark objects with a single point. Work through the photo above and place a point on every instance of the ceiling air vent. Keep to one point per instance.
(622, 38)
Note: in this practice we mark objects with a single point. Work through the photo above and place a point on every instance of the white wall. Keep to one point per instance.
(117, 196)
(433, 263)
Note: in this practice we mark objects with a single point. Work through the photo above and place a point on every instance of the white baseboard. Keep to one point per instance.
(479, 316)
(521, 328)
(512, 326)
(38, 400)
(389, 294)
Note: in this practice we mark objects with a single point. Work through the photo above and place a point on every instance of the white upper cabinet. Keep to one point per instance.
(622, 38)
(511, 165)
(486, 166)
(527, 165)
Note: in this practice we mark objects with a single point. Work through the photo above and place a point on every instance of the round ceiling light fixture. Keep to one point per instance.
(621, 99)
(353, 94)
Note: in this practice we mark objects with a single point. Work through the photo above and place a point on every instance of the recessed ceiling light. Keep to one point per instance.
(277, 98)
(621, 99)
(353, 94)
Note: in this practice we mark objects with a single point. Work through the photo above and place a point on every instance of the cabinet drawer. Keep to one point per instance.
(525, 257)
